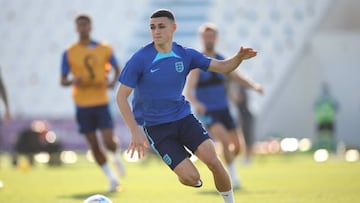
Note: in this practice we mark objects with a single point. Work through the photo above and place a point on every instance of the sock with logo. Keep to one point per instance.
(228, 196)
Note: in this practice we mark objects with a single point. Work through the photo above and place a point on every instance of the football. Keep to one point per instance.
(97, 199)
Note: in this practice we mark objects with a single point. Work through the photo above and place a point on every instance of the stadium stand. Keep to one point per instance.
(34, 36)
(35, 33)
(279, 31)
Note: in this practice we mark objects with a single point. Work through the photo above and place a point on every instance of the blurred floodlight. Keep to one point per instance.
(128, 158)
(352, 155)
(89, 156)
(321, 155)
(42, 157)
(50, 137)
(68, 157)
(305, 144)
(1, 184)
(38, 126)
(261, 148)
(289, 144)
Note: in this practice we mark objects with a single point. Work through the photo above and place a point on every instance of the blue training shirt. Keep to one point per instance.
(158, 80)
(211, 90)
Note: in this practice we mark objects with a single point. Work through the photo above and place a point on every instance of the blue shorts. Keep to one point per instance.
(91, 119)
(222, 116)
(169, 140)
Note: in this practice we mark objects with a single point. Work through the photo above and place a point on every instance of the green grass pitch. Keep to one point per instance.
(291, 178)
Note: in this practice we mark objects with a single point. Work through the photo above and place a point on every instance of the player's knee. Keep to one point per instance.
(190, 179)
(108, 142)
(94, 148)
(235, 148)
(111, 143)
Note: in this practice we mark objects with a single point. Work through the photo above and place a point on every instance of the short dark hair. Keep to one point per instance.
(163, 13)
(82, 17)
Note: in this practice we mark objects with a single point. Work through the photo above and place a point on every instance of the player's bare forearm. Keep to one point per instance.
(7, 115)
(122, 95)
(191, 81)
(3, 94)
(246, 82)
(114, 80)
(228, 65)
(138, 142)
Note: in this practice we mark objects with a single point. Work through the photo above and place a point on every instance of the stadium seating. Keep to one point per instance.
(278, 30)
(35, 33)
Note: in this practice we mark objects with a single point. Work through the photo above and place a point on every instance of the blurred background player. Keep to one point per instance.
(33, 139)
(207, 93)
(326, 108)
(3, 96)
(89, 63)
(7, 115)
(238, 95)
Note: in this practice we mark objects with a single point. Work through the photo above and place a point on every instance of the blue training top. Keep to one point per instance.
(210, 89)
(158, 80)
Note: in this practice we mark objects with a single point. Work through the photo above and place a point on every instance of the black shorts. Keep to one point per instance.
(90, 119)
(171, 140)
(222, 116)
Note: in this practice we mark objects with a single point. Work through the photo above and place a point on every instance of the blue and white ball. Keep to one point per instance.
(97, 199)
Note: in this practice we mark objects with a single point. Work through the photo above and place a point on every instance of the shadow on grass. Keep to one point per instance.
(208, 192)
(242, 190)
(258, 192)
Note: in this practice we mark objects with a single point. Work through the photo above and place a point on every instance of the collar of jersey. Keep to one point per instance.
(165, 55)
(92, 44)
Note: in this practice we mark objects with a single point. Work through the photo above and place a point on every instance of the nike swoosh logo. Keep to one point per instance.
(204, 133)
(154, 70)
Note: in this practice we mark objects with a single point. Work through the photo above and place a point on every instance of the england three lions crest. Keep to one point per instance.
(179, 66)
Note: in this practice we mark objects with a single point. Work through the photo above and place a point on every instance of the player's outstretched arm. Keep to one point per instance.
(138, 141)
(228, 65)
(246, 82)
